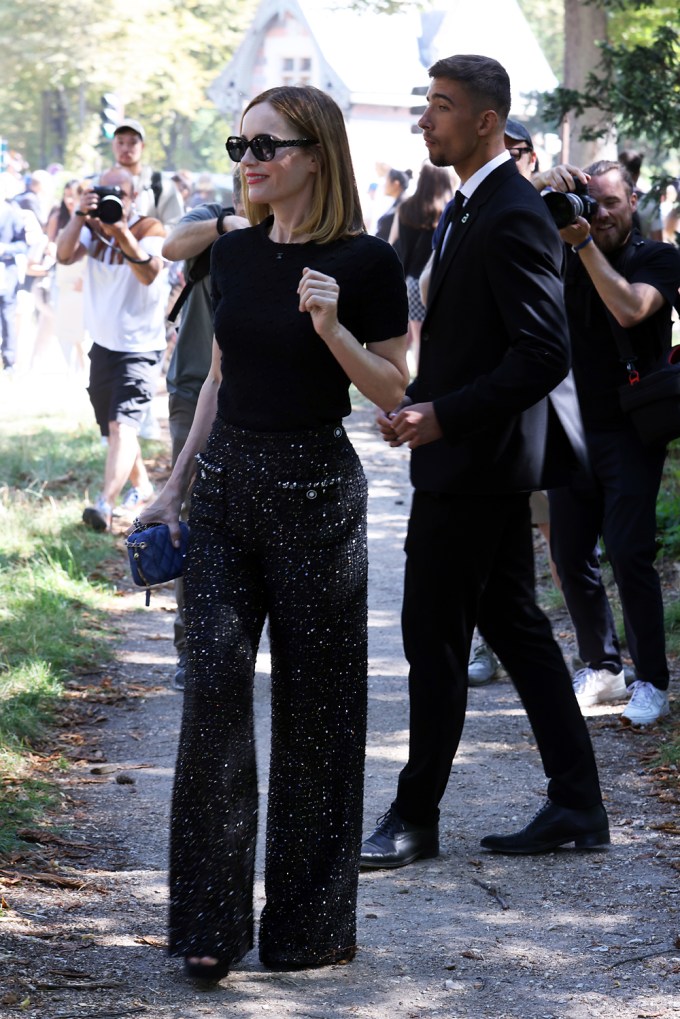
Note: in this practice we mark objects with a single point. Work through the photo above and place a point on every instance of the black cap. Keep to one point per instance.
(518, 132)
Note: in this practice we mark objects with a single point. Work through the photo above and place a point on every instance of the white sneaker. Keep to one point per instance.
(135, 498)
(483, 666)
(647, 704)
(598, 686)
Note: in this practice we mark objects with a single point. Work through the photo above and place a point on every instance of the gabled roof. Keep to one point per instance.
(379, 58)
(371, 53)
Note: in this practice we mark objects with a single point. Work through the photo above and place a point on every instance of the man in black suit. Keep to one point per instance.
(491, 416)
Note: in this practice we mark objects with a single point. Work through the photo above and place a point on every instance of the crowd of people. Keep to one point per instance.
(41, 299)
(511, 322)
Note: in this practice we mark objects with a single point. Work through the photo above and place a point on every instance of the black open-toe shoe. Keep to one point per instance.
(206, 973)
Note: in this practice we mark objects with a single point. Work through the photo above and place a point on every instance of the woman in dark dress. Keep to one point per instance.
(396, 185)
(305, 304)
(414, 225)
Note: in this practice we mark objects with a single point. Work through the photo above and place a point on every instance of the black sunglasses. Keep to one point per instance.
(262, 146)
(517, 152)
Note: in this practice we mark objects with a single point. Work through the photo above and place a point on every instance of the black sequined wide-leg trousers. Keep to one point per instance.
(278, 528)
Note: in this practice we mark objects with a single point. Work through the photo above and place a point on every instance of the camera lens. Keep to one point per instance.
(110, 209)
(564, 208)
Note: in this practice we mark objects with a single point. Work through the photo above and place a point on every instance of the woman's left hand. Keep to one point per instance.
(319, 296)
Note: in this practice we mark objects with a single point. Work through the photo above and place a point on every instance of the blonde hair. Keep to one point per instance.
(335, 209)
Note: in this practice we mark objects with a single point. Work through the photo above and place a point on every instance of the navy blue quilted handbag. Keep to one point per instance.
(153, 557)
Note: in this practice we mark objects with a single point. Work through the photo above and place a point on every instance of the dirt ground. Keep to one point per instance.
(565, 935)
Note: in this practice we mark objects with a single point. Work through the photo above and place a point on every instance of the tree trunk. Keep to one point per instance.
(584, 26)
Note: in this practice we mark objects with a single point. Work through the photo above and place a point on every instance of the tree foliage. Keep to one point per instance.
(546, 19)
(636, 86)
(383, 6)
(60, 56)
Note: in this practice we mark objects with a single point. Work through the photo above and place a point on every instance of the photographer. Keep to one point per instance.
(124, 313)
(156, 195)
(615, 281)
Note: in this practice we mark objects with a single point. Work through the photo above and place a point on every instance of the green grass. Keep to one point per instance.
(52, 609)
(53, 591)
(668, 504)
(668, 755)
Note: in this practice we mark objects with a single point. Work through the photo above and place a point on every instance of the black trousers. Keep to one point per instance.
(618, 503)
(180, 419)
(458, 547)
(278, 527)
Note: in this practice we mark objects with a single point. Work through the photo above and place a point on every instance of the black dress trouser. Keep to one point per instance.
(278, 528)
(618, 503)
(458, 547)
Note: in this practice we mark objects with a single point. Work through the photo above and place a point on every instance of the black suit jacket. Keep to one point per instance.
(495, 354)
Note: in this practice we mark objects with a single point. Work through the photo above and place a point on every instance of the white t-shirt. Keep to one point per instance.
(120, 312)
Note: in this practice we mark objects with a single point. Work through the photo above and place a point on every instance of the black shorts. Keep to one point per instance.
(122, 385)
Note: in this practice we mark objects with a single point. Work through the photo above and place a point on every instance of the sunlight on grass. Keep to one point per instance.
(27, 695)
(53, 616)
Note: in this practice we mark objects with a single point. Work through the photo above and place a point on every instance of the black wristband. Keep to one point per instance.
(136, 261)
(220, 224)
(79, 213)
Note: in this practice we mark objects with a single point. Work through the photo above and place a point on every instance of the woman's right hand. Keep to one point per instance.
(165, 510)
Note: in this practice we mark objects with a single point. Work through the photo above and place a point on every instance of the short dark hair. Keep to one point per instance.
(603, 166)
(483, 77)
(401, 177)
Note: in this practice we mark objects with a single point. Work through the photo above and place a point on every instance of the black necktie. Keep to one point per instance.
(450, 220)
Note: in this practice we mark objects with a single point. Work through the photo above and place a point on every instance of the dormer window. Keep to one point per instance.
(296, 70)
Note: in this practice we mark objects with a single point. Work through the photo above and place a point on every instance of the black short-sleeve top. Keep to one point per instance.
(598, 367)
(277, 373)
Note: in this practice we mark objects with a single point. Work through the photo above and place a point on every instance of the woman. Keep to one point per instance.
(61, 214)
(396, 184)
(69, 323)
(412, 232)
(305, 303)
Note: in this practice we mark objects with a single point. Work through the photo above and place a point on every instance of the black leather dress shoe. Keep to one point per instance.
(395, 842)
(554, 826)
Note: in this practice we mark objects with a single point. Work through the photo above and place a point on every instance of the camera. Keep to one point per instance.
(110, 205)
(566, 207)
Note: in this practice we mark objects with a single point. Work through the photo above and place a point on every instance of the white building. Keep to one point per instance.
(370, 63)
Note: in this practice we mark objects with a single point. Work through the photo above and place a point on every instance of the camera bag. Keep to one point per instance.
(650, 401)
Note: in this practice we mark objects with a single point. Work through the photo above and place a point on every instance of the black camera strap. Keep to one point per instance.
(134, 230)
(627, 354)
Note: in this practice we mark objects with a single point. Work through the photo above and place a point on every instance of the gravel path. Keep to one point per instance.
(470, 934)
